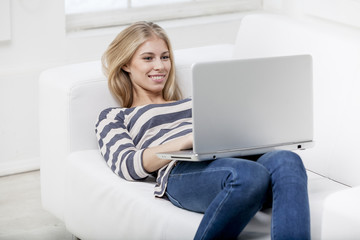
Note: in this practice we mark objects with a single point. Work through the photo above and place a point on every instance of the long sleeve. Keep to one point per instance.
(117, 146)
(124, 133)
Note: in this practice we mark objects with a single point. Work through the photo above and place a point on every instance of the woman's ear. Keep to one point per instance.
(126, 68)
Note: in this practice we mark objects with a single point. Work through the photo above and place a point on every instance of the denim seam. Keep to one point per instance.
(220, 205)
(171, 198)
(273, 231)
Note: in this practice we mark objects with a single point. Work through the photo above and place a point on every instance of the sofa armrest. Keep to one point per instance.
(68, 95)
(341, 215)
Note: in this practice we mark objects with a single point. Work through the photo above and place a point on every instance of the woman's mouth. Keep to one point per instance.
(157, 78)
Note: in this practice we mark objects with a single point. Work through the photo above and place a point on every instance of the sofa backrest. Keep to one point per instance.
(336, 72)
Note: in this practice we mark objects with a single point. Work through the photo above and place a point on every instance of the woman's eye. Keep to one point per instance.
(166, 57)
(148, 58)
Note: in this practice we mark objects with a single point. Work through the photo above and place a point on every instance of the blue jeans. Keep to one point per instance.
(230, 191)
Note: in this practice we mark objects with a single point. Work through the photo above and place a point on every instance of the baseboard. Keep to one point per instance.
(19, 166)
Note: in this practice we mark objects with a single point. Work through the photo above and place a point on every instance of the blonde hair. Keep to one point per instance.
(120, 52)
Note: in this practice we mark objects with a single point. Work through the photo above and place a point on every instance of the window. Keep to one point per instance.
(90, 14)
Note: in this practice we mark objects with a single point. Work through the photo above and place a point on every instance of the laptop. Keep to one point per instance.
(245, 107)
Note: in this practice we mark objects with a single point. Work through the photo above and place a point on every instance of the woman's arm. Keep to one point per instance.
(121, 154)
(152, 163)
(117, 146)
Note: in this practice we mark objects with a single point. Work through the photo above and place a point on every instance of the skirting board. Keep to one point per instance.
(19, 166)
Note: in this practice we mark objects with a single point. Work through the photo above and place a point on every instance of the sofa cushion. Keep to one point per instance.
(101, 205)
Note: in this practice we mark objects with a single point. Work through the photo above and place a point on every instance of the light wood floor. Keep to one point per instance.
(21, 214)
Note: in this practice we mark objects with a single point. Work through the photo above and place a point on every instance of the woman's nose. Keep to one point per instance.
(158, 64)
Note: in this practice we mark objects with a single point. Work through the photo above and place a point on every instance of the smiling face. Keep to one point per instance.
(149, 69)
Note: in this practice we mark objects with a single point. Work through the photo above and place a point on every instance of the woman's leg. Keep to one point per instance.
(229, 191)
(290, 214)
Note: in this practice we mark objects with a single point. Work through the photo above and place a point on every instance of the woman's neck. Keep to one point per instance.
(147, 99)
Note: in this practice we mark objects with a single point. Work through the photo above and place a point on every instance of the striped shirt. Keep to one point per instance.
(124, 133)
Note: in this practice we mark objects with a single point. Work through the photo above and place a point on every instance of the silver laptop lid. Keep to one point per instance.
(252, 103)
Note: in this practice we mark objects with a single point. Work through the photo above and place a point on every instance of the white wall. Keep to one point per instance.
(39, 41)
(345, 12)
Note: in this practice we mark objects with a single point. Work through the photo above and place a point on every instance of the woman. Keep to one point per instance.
(139, 64)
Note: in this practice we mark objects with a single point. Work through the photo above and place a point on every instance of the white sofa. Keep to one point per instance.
(79, 188)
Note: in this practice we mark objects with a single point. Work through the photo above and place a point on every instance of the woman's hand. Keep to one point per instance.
(151, 162)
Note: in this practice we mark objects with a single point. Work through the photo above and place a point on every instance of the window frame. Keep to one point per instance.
(103, 19)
